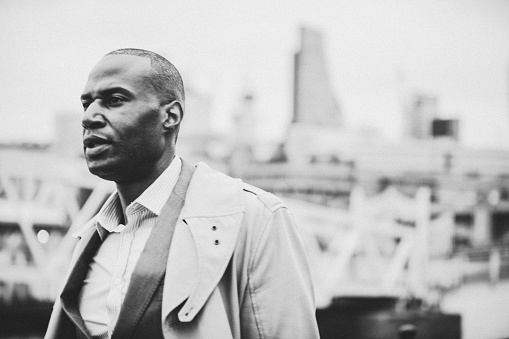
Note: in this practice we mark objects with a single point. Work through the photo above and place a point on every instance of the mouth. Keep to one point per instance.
(94, 145)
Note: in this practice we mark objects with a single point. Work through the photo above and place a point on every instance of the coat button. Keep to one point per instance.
(214, 228)
(216, 242)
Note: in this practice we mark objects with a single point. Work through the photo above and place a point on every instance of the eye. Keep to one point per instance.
(115, 100)
(85, 105)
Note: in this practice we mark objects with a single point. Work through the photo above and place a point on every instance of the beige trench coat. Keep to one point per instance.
(246, 278)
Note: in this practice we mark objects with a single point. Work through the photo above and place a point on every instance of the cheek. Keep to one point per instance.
(150, 120)
(142, 126)
(146, 140)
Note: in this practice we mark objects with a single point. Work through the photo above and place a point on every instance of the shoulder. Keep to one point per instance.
(212, 192)
(269, 200)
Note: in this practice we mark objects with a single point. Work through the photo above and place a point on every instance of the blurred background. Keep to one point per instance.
(384, 125)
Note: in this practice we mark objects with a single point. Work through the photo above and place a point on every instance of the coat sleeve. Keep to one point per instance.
(280, 300)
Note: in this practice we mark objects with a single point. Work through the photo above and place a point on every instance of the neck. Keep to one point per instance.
(130, 190)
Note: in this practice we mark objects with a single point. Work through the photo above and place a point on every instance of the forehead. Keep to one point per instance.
(128, 69)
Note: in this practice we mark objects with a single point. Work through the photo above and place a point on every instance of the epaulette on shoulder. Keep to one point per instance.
(268, 199)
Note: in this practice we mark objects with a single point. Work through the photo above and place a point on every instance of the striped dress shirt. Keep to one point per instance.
(110, 270)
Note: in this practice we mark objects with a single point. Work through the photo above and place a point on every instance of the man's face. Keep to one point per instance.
(123, 135)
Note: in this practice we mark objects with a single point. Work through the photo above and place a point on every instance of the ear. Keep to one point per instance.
(173, 115)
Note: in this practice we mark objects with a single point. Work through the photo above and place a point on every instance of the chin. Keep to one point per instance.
(102, 171)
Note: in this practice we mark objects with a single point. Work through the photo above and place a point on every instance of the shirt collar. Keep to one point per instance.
(109, 216)
(153, 199)
(156, 195)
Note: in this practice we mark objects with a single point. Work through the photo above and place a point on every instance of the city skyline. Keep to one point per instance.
(378, 53)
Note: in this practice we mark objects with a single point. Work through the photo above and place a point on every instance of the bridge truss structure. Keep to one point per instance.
(378, 246)
(43, 199)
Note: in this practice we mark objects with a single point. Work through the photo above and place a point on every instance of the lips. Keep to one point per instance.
(92, 141)
(94, 144)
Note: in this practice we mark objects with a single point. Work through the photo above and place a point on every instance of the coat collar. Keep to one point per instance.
(212, 194)
(199, 253)
(203, 242)
(86, 230)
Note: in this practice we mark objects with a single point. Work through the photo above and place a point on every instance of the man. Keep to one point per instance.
(177, 251)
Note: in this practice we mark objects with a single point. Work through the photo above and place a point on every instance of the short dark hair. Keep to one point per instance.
(165, 77)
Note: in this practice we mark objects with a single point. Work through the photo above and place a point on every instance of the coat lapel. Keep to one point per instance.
(72, 288)
(203, 243)
(151, 266)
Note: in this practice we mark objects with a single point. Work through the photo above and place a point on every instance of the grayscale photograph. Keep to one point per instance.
(254, 169)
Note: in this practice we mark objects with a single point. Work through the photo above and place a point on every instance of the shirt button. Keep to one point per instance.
(117, 281)
(128, 237)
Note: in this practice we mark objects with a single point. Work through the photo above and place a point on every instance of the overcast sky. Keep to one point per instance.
(377, 51)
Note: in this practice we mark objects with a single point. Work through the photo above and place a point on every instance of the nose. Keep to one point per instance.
(93, 117)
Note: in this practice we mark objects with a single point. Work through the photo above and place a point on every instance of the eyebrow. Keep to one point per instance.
(106, 92)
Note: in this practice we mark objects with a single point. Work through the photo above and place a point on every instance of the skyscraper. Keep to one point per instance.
(422, 110)
(314, 100)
